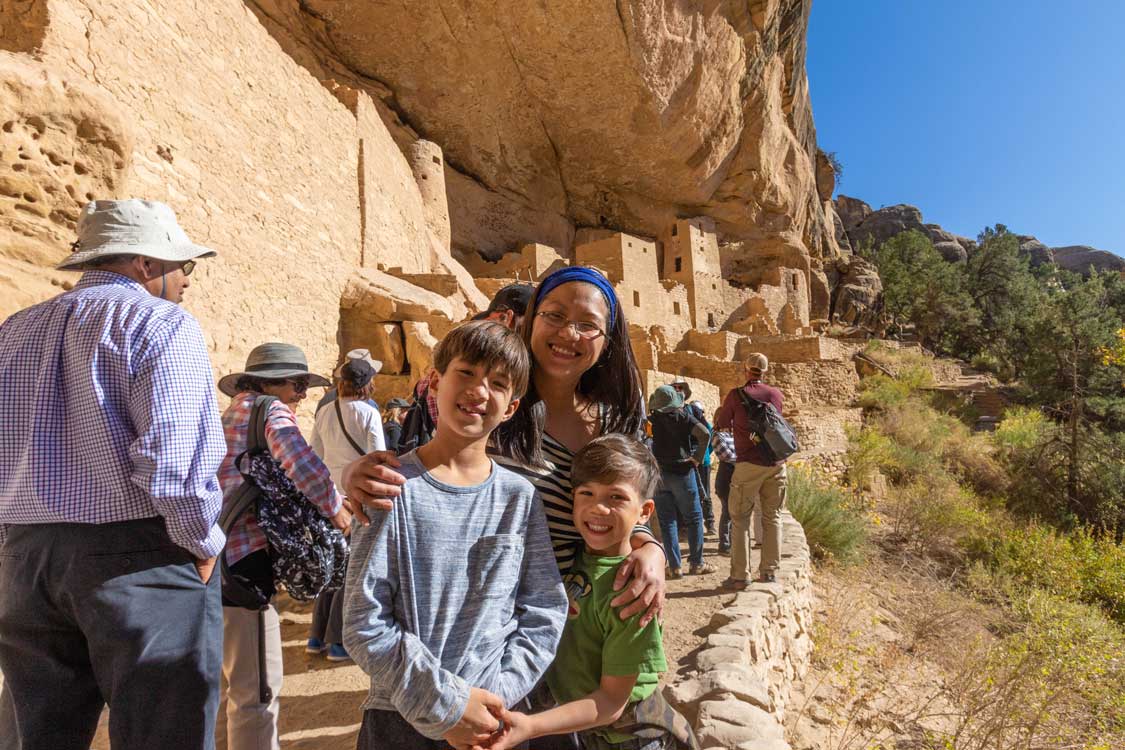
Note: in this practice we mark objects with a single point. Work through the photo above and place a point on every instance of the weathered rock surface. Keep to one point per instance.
(591, 113)
(857, 293)
(866, 228)
(1079, 258)
(1037, 253)
(297, 182)
(62, 142)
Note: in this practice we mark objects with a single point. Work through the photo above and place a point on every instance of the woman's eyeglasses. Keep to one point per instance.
(300, 385)
(583, 328)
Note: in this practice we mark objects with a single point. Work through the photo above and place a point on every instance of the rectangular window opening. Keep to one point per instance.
(679, 264)
(636, 299)
(676, 308)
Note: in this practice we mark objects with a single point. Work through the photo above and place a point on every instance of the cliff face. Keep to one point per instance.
(338, 153)
(557, 116)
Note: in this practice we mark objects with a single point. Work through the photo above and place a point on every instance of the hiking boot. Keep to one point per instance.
(766, 578)
(315, 646)
(336, 652)
(736, 584)
(709, 530)
(724, 551)
(674, 574)
(702, 568)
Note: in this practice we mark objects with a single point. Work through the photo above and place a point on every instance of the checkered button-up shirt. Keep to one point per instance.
(288, 447)
(109, 414)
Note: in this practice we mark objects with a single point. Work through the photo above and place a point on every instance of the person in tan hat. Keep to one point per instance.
(758, 481)
(108, 497)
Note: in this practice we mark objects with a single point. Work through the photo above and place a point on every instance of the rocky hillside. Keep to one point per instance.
(860, 226)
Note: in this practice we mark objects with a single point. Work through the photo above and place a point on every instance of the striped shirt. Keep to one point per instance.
(552, 486)
(288, 447)
(109, 414)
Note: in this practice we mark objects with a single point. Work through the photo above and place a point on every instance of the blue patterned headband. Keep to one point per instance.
(579, 273)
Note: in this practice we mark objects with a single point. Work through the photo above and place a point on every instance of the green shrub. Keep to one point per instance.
(933, 512)
(1055, 681)
(1081, 565)
(832, 527)
(1022, 429)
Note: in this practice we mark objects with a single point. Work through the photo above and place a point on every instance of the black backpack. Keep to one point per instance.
(778, 437)
(418, 427)
(308, 555)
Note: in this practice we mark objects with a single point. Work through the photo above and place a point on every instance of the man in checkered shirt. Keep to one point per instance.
(108, 498)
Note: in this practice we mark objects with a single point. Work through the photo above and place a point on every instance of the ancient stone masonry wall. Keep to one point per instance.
(756, 647)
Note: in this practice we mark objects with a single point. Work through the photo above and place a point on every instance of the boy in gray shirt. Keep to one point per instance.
(454, 603)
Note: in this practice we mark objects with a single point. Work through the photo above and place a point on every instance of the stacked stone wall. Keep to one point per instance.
(756, 648)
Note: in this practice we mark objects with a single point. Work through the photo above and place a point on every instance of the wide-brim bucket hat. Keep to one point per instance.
(130, 227)
(274, 361)
(665, 398)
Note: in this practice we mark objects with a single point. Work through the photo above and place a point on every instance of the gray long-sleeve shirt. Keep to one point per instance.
(455, 587)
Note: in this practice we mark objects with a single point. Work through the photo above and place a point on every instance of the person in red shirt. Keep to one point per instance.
(758, 479)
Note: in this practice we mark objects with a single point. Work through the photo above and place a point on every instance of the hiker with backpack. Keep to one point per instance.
(349, 427)
(252, 661)
(762, 441)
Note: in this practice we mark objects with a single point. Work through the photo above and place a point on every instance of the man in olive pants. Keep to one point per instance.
(758, 478)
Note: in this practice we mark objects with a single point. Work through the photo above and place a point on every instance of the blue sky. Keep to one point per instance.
(985, 112)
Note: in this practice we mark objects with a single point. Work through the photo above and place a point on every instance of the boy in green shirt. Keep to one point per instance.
(606, 670)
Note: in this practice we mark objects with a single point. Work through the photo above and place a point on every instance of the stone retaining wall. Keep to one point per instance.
(756, 647)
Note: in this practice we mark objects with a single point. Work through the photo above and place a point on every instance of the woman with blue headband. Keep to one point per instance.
(584, 383)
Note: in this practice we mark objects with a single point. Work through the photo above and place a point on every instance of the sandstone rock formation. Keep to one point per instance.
(621, 114)
(867, 228)
(297, 182)
(62, 143)
(1076, 258)
(1080, 258)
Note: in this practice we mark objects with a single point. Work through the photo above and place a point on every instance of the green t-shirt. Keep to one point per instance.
(596, 641)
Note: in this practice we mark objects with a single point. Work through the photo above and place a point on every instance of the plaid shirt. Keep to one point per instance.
(722, 443)
(296, 457)
(422, 391)
(109, 414)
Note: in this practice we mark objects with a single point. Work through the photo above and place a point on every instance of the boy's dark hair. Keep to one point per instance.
(489, 344)
(616, 458)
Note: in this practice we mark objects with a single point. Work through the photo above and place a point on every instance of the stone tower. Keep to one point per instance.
(428, 166)
(691, 258)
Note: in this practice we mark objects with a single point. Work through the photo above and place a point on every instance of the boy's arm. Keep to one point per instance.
(601, 707)
(541, 608)
(432, 699)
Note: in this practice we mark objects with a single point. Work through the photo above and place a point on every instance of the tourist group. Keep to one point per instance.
(485, 551)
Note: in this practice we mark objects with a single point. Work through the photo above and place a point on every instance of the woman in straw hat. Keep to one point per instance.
(280, 370)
